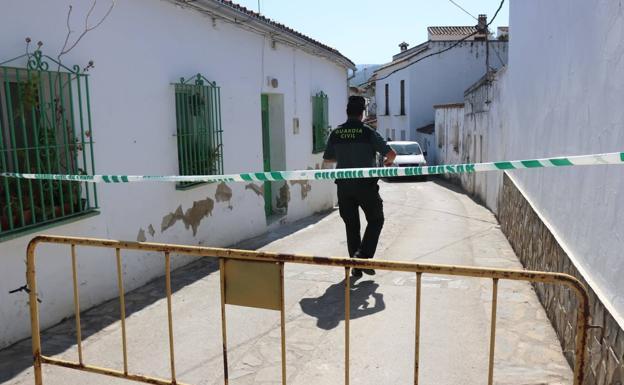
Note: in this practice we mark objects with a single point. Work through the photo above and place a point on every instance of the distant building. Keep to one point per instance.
(410, 85)
(367, 91)
(503, 33)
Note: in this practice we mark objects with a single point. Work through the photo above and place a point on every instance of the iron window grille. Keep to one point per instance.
(45, 128)
(320, 121)
(199, 133)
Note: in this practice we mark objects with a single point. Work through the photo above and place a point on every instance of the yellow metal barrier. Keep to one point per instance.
(264, 272)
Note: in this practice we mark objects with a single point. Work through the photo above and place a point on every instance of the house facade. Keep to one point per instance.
(563, 220)
(206, 87)
(410, 85)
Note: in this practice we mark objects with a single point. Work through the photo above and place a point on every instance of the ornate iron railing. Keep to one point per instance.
(45, 127)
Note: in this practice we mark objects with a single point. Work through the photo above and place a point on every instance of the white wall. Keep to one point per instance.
(132, 103)
(484, 137)
(440, 79)
(562, 95)
(448, 141)
(572, 105)
(394, 120)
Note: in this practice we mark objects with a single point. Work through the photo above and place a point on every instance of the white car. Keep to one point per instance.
(409, 154)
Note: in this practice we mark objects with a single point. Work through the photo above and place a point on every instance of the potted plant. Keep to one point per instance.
(6, 216)
(196, 103)
(11, 214)
(8, 208)
(213, 160)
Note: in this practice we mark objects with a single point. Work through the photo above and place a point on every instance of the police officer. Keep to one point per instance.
(355, 145)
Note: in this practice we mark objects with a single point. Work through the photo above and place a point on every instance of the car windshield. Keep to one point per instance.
(406, 149)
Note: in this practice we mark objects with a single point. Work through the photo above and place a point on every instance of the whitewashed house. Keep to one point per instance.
(568, 102)
(175, 87)
(410, 85)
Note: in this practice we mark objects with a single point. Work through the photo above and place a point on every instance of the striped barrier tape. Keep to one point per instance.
(351, 173)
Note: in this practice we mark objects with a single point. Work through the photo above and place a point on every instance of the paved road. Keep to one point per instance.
(425, 222)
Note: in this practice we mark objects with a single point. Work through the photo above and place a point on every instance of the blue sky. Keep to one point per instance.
(369, 31)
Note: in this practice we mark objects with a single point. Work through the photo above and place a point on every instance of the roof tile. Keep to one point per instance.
(266, 20)
(452, 30)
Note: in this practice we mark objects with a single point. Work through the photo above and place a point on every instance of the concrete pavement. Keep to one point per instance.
(425, 222)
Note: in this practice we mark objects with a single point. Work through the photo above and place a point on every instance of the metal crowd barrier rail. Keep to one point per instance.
(256, 279)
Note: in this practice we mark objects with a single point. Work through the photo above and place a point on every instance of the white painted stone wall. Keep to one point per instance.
(448, 143)
(562, 95)
(143, 48)
(484, 136)
(440, 79)
(570, 102)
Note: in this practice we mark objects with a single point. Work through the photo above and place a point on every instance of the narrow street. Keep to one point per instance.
(428, 222)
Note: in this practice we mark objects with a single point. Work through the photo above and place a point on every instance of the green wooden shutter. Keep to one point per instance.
(320, 121)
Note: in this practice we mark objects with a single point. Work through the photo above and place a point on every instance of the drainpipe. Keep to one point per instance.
(349, 78)
(352, 76)
(482, 27)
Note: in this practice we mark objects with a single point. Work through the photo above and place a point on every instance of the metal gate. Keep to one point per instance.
(266, 273)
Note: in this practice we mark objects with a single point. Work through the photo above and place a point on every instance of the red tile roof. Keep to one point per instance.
(428, 129)
(280, 26)
(455, 31)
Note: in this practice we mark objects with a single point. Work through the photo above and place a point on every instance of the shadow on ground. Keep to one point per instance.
(329, 309)
(449, 185)
(455, 187)
(61, 337)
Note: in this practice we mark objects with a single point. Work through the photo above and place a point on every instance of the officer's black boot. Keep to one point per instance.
(358, 254)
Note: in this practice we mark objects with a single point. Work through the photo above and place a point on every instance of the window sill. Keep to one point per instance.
(275, 219)
(36, 228)
(190, 186)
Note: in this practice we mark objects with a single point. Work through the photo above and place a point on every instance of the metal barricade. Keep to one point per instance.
(264, 271)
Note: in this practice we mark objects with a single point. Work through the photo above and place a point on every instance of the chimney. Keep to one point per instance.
(482, 25)
(503, 33)
(403, 46)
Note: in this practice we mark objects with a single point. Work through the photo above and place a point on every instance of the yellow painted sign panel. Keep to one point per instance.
(253, 284)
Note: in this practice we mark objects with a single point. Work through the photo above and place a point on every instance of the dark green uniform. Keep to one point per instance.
(355, 145)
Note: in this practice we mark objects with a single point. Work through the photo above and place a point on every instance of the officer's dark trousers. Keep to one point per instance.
(367, 197)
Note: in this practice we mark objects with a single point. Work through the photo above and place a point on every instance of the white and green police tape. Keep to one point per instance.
(353, 173)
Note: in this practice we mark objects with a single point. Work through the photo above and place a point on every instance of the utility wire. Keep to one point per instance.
(440, 51)
(425, 57)
(460, 7)
(500, 6)
(500, 59)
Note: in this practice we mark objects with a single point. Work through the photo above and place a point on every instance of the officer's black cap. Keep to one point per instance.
(357, 101)
(356, 105)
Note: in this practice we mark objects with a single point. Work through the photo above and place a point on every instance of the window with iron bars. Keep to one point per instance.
(199, 133)
(45, 128)
(320, 121)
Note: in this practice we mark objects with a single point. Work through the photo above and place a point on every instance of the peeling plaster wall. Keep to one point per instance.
(133, 116)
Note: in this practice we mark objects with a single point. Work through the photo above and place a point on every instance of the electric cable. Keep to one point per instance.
(438, 52)
(460, 7)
